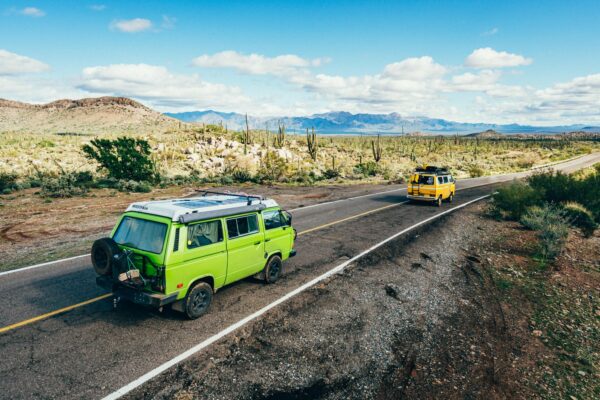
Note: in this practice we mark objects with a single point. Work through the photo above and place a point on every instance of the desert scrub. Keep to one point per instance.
(8, 182)
(66, 184)
(580, 217)
(512, 201)
(552, 229)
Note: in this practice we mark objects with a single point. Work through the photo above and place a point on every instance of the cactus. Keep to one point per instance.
(376, 149)
(312, 144)
(280, 138)
(247, 136)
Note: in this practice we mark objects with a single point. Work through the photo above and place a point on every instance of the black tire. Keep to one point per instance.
(103, 255)
(451, 198)
(198, 300)
(439, 201)
(273, 269)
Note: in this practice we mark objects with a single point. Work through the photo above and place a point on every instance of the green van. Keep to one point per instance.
(179, 252)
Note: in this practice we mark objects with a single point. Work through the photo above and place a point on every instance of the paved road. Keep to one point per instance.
(92, 350)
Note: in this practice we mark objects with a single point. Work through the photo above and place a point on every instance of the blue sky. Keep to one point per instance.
(526, 62)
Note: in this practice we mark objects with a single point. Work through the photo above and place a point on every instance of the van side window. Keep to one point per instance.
(445, 179)
(242, 226)
(204, 233)
(440, 180)
(273, 219)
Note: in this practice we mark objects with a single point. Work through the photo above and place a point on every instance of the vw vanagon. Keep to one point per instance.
(179, 252)
(433, 184)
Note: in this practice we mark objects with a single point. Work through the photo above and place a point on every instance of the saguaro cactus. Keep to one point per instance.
(280, 138)
(312, 144)
(376, 147)
(247, 137)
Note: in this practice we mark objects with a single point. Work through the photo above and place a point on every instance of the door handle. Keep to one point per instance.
(256, 243)
(267, 240)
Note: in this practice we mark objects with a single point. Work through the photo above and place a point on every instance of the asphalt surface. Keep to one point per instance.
(93, 350)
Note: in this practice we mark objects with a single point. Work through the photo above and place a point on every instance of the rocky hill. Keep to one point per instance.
(92, 116)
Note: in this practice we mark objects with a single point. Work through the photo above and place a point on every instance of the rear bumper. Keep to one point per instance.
(421, 198)
(135, 296)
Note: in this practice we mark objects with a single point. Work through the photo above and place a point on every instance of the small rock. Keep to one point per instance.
(393, 290)
(537, 333)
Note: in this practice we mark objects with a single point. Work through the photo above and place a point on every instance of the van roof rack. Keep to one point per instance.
(431, 169)
(248, 197)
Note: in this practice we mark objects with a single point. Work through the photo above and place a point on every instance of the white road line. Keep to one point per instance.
(319, 205)
(181, 357)
(42, 264)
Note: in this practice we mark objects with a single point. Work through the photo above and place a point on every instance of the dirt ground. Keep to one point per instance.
(427, 316)
(34, 230)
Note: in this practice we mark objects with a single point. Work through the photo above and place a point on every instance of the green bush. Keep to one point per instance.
(241, 176)
(64, 185)
(513, 200)
(552, 230)
(273, 169)
(123, 158)
(8, 182)
(476, 171)
(331, 173)
(370, 168)
(133, 186)
(580, 217)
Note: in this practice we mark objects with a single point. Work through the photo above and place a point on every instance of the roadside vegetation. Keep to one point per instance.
(557, 290)
(214, 155)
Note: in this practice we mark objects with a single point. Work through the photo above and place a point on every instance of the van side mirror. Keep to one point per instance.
(288, 218)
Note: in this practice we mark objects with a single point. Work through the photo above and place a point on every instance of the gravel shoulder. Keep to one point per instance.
(416, 319)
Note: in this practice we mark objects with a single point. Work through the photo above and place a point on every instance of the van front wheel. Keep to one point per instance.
(273, 269)
(198, 300)
(451, 197)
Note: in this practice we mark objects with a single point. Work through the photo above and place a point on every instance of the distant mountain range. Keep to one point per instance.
(345, 122)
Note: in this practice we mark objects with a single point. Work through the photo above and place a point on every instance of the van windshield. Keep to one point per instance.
(423, 179)
(141, 234)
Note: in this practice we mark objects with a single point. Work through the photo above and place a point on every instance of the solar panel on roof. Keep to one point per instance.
(201, 203)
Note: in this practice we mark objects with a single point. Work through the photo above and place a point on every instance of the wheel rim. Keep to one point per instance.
(199, 301)
(274, 269)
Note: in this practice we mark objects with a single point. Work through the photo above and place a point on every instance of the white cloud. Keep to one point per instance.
(257, 64)
(487, 57)
(132, 25)
(15, 64)
(168, 22)
(98, 7)
(491, 32)
(479, 82)
(160, 87)
(32, 12)
(420, 68)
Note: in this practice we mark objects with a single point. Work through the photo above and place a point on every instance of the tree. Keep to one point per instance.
(123, 158)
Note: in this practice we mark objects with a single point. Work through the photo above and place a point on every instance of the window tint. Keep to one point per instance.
(204, 233)
(424, 180)
(141, 234)
(440, 180)
(242, 226)
(445, 179)
(273, 219)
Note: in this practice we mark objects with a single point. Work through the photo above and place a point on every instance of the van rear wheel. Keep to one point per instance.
(439, 201)
(273, 269)
(451, 198)
(198, 300)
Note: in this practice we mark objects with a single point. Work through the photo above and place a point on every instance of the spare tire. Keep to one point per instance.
(103, 255)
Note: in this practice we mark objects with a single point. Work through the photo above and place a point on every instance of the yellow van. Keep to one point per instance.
(433, 184)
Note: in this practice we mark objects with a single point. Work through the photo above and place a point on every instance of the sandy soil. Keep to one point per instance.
(33, 230)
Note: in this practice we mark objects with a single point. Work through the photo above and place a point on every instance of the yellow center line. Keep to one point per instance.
(53, 313)
(105, 296)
